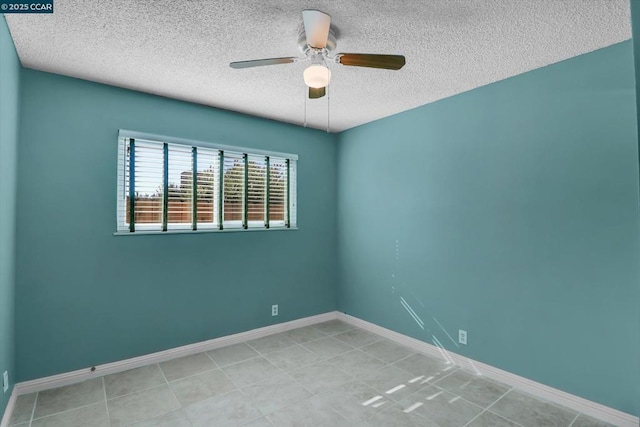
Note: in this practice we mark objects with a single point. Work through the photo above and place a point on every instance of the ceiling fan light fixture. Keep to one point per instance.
(317, 76)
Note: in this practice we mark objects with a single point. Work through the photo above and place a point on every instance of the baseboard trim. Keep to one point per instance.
(9, 409)
(579, 404)
(80, 375)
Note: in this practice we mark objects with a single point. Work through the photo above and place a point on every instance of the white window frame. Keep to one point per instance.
(123, 228)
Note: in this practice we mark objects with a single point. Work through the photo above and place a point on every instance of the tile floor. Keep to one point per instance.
(329, 374)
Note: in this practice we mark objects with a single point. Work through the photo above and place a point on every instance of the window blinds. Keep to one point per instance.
(169, 186)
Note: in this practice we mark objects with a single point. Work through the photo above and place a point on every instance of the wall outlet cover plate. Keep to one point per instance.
(462, 336)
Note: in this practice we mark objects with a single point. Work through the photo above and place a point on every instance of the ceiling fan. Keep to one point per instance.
(316, 42)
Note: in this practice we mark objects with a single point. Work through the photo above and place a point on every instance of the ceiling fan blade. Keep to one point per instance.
(315, 93)
(261, 62)
(316, 27)
(387, 62)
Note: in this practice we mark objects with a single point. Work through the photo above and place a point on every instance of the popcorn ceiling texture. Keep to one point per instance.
(182, 49)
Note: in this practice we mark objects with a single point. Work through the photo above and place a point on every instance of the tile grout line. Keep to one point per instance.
(33, 410)
(282, 370)
(406, 357)
(252, 347)
(193, 375)
(383, 392)
(288, 375)
(461, 369)
(146, 389)
(351, 327)
(134, 392)
(388, 408)
(106, 405)
(387, 364)
(170, 389)
(211, 358)
(315, 339)
(163, 375)
(510, 389)
(474, 418)
(241, 361)
(137, 391)
(240, 388)
(227, 376)
(384, 361)
(428, 384)
(273, 351)
(340, 342)
(66, 411)
(574, 419)
(268, 421)
(299, 383)
(271, 361)
(298, 401)
(322, 359)
(548, 402)
(437, 380)
(482, 410)
(488, 407)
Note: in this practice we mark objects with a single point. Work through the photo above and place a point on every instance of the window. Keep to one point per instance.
(165, 185)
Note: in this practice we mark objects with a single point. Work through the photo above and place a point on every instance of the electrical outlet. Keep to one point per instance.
(462, 336)
(5, 381)
(274, 310)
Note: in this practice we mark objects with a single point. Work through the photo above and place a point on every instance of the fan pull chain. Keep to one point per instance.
(328, 109)
(328, 94)
(305, 106)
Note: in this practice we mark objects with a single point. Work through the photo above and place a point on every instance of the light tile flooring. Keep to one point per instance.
(329, 374)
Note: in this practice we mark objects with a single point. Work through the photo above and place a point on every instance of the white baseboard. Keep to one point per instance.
(80, 375)
(579, 404)
(576, 403)
(9, 409)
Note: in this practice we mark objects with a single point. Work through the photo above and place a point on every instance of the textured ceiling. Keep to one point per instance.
(182, 49)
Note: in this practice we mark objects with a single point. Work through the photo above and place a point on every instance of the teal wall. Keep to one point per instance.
(635, 28)
(9, 119)
(510, 211)
(85, 297)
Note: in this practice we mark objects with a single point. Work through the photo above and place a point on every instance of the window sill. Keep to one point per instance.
(226, 230)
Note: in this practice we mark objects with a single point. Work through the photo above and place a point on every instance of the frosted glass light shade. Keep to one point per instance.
(317, 76)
